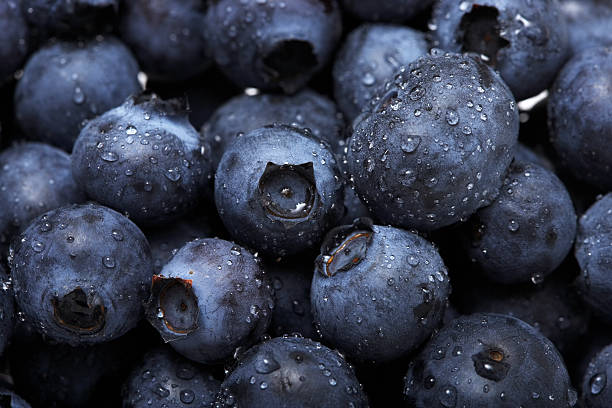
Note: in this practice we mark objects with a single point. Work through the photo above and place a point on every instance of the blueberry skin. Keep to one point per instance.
(143, 158)
(81, 273)
(588, 23)
(428, 154)
(11, 400)
(377, 292)
(488, 360)
(353, 206)
(211, 298)
(287, 372)
(512, 34)
(595, 390)
(292, 313)
(526, 154)
(527, 231)
(65, 83)
(369, 57)
(169, 379)
(593, 252)
(13, 39)
(35, 178)
(242, 114)
(7, 310)
(69, 17)
(579, 118)
(385, 10)
(166, 36)
(278, 190)
(269, 46)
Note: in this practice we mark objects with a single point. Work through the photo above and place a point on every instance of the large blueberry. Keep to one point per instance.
(65, 83)
(7, 310)
(170, 380)
(596, 387)
(377, 292)
(167, 36)
(580, 121)
(143, 158)
(371, 54)
(13, 39)
(242, 114)
(211, 298)
(270, 45)
(435, 145)
(35, 178)
(525, 40)
(291, 372)
(594, 254)
(385, 10)
(278, 190)
(527, 231)
(80, 274)
(488, 360)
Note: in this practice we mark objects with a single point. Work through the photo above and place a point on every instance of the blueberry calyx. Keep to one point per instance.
(490, 364)
(173, 307)
(75, 312)
(288, 192)
(345, 247)
(481, 33)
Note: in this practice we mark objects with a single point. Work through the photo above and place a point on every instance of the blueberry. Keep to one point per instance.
(291, 372)
(7, 310)
(527, 231)
(278, 190)
(526, 154)
(211, 298)
(579, 119)
(170, 380)
(271, 45)
(242, 114)
(595, 390)
(553, 307)
(35, 178)
(371, 54)
(291, 281)
(594, 254)
(488, 360)
(167, 36)
(65, 83)
(434, 147)
(511, 35)
(377, 292)
(80, 274)
(143, 158)
(385, 10)
(353, 206)
(588, 23)
(13, 39)
(69, 17)
(9, 399)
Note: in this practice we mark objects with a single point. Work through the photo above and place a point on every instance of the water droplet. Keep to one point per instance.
(187, 396)
(266, 364)
(161, 391)
(410, 144)
(117, 235)
(598, 383)
(37, 246)
(46, 226)
(172, 174)
(108, 261)
(417, 93)
(513, 226)
(413, 261)
(263, 385)
(332, 381)
(78, 96)
(452, 118)
(109, 156)
(131, 130)
(448, 399)
(368, 79)
(466, 130)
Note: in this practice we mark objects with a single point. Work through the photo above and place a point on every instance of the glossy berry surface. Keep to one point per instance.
(434, 147)
(291, 371)
(595, 388)
(377, 292)
(385, 10)
(80, 274)
(278, 190)
(209, 299)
